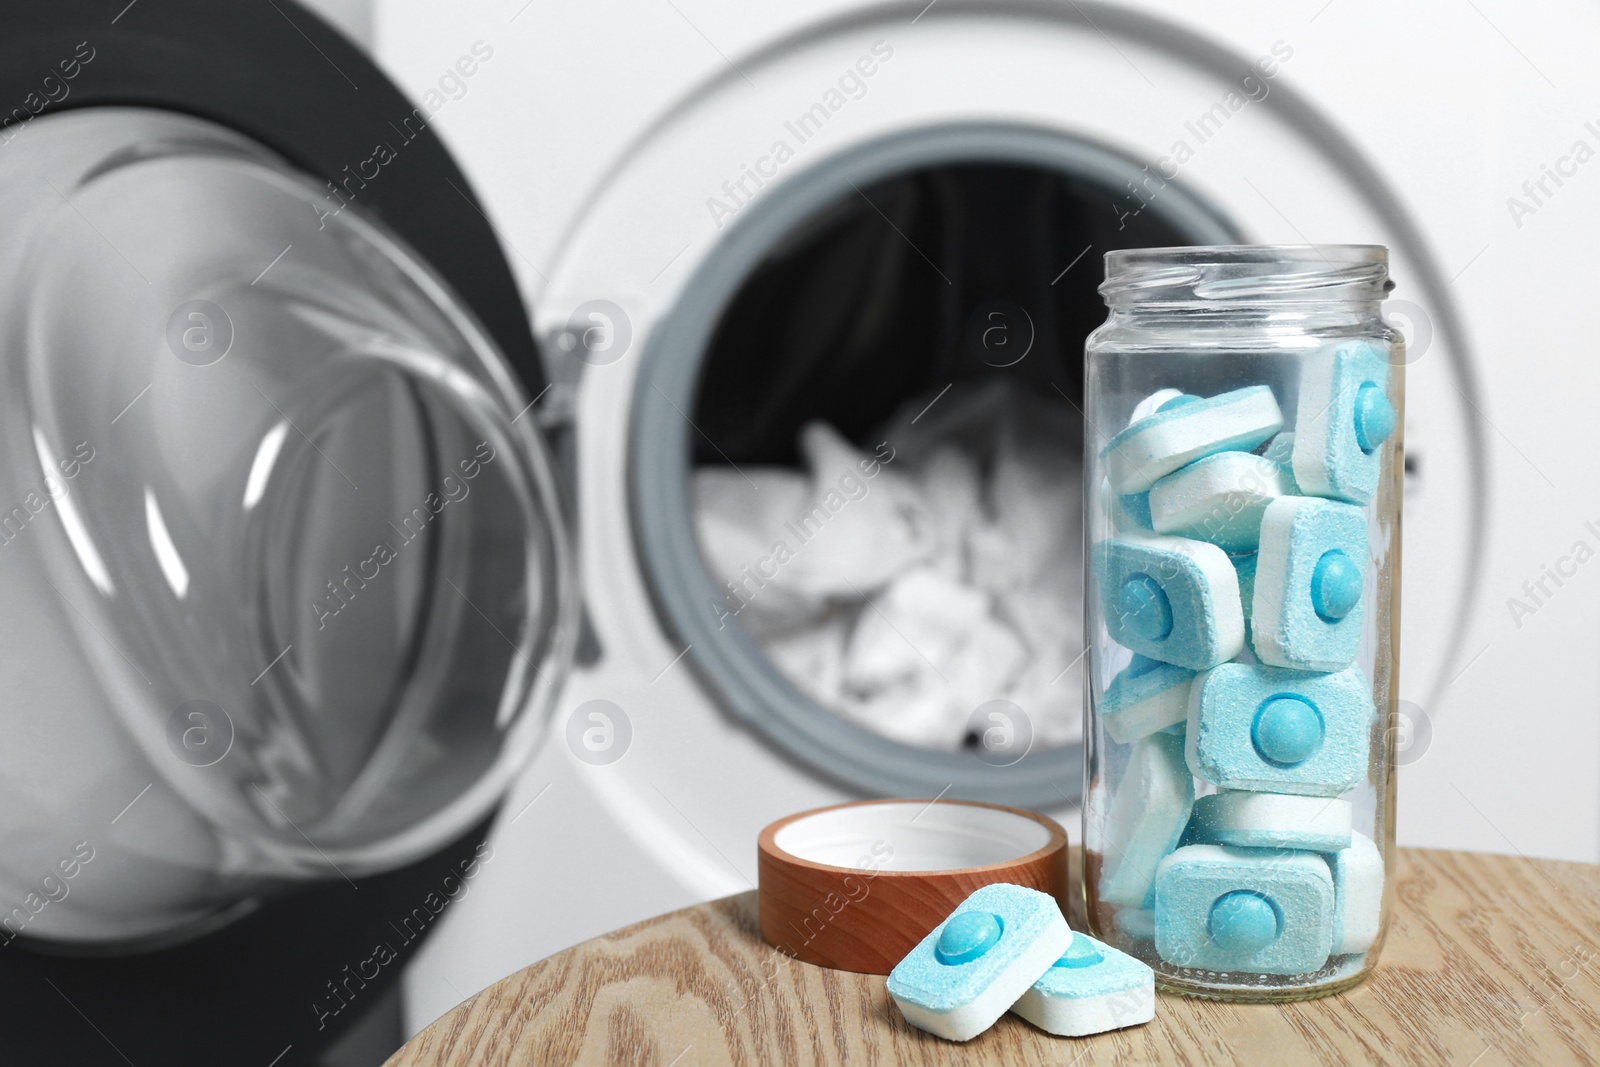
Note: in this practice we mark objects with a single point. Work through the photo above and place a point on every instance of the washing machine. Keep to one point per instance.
(700, 199)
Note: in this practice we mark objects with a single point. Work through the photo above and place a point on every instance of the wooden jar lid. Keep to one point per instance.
(856, 886)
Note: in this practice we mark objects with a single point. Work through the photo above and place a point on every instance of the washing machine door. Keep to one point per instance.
(287, 582)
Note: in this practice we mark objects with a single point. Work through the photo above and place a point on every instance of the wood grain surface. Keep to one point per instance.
(1490, 960)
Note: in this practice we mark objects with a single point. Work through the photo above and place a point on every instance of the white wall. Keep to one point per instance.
(353, 17)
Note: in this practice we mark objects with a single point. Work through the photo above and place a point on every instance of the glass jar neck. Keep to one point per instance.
(1323, 285)
(1263, 318)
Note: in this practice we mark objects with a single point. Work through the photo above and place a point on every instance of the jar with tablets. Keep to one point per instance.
(1242, 507)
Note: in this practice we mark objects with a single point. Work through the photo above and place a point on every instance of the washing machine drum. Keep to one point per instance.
(286, 586)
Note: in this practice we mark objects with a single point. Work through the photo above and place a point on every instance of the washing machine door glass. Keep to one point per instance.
(279, 540)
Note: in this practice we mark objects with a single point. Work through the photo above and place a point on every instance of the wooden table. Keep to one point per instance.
(1490, 960)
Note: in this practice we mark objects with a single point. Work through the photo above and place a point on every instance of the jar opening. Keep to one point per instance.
(1208, 276)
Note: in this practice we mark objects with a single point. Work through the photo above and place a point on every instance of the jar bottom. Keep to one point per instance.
(1341, 973)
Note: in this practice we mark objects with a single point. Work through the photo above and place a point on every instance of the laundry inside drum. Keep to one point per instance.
(888, 477)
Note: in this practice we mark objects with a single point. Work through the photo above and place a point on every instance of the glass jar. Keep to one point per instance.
(1242, 520)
